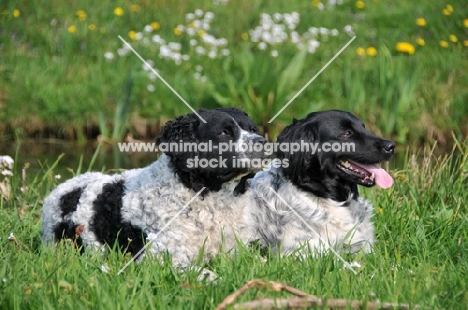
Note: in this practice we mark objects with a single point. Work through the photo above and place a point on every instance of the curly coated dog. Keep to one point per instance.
(313, 202)
(99, 211)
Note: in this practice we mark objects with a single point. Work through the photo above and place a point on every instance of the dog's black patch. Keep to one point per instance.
(68, 230)
(69, 201)
(107, 223)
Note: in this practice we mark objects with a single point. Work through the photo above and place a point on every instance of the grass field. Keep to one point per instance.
(66, 73)
(420, 256)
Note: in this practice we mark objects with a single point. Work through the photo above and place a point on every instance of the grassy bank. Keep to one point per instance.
(65, 73)
(420, 256)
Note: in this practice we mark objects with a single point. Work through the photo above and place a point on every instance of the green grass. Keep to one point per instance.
(420, 256)
(55, 83)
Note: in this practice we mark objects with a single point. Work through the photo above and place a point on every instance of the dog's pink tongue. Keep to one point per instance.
(382, 178)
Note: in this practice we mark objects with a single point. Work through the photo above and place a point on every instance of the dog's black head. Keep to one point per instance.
(213, 152)
(345, 157)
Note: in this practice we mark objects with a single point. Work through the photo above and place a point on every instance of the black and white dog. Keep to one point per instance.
(316, 192)
(97, 210)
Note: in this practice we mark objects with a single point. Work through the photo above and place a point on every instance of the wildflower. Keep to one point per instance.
(453, 38)
(371, 51)
(178, 31)
(421, 22)
(132, 35)
(109, 56)
(58, 176)
(71, 29)
(420, 41)
(465, 43)
(446, 12)
(11, 237)
(405, 47)
(119, 11)
(465, 22)
(274, 53)
(92, 27)
(134, 8)
(360, 4)
(449, 8)
(81, 15)
(201, 33)
(150, 88)
(262, 46)
(155, 25)
(16, 13)
(443, 43)
(245, 36)
(360, 51)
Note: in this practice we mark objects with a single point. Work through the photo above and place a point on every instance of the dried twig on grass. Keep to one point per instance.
(303, 300)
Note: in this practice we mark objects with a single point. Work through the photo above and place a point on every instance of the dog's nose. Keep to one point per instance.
(259, 139)
(389, 146)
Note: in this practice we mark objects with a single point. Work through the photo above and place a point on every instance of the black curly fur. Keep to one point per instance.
(69, 201)
(68, 230)
(186, 129)
(107, 222)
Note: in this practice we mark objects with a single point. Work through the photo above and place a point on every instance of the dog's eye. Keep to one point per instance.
(347, 134)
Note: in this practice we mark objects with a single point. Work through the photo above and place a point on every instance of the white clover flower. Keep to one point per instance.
(197, 75)
(266, 37)
(324, 31)
(150, 88)
(262, 46)
(11, 236)
(157, 39)
(295, 37)
(148, 65)
(58, 176)
(206, 26)
(277, 17)
(138, 36)
(313, 31)
(198, 13)
(212, 54)
(105, 268)
(148, 28)
(193, 42)
(312, 46)
(146, 41)
(198, 68)
(175, 46)
(274, 53)
(164, 51)
(109, 55)
(197, 24)
(222, 42)
(152, 76)
(189, 17)
(203, 79)
(225, 52)
(191, 31)
(349, 30)
(320, 6)
(334, 32)
(209, 16)
(200, 50)
(185, 57)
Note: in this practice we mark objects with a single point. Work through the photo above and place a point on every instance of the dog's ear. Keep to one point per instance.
(182, 128)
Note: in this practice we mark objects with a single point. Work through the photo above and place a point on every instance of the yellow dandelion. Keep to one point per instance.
(420, 41)
(446, 12)
(177, 31)
(453, 38)
(405, 47)
(92, 27)
(449, 8)
(155, 25)
(360, 4)
(16, 13)
(245, 36)
(360, 51)
(201, 33)
(71, 29)
(371, 51)
(443, 43)
(119, 11)
(465, 22)
(421, 22)
(465, 43)
(81, 15)
(132, 35)
(380, 210)
(315, 2)
(134, 8)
